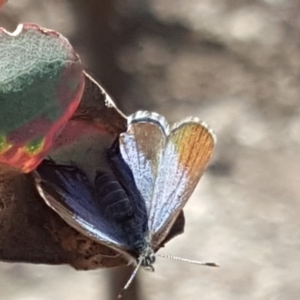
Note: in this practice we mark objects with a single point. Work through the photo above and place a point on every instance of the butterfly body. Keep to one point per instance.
(120, 200)
(137, 210)
(118, 209)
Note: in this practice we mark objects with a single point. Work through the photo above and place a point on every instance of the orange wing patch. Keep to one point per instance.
(194, 143)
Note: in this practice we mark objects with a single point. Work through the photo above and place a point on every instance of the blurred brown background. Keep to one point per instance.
(236, 65)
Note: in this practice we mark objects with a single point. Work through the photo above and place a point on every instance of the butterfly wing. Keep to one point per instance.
(141, 147)
(166, 164)
(67, 191)
(186, 155)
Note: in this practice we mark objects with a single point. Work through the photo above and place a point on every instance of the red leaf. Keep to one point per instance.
(41, 84)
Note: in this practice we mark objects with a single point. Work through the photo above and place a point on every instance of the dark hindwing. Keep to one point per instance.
(176, 229)
(67, 191)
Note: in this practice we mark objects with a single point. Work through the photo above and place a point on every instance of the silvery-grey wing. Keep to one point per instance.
(141, 147)
(185, 157)
(67, 191)
(167, 164)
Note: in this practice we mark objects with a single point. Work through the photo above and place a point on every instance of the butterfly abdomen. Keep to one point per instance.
(112, 198)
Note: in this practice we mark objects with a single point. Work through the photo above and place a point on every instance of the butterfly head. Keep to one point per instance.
(147, 258)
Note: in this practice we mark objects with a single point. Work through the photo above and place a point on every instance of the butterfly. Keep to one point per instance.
(138, 206)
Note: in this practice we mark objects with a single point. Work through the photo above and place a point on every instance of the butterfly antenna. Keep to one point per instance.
(190, 261)
(129, 281)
